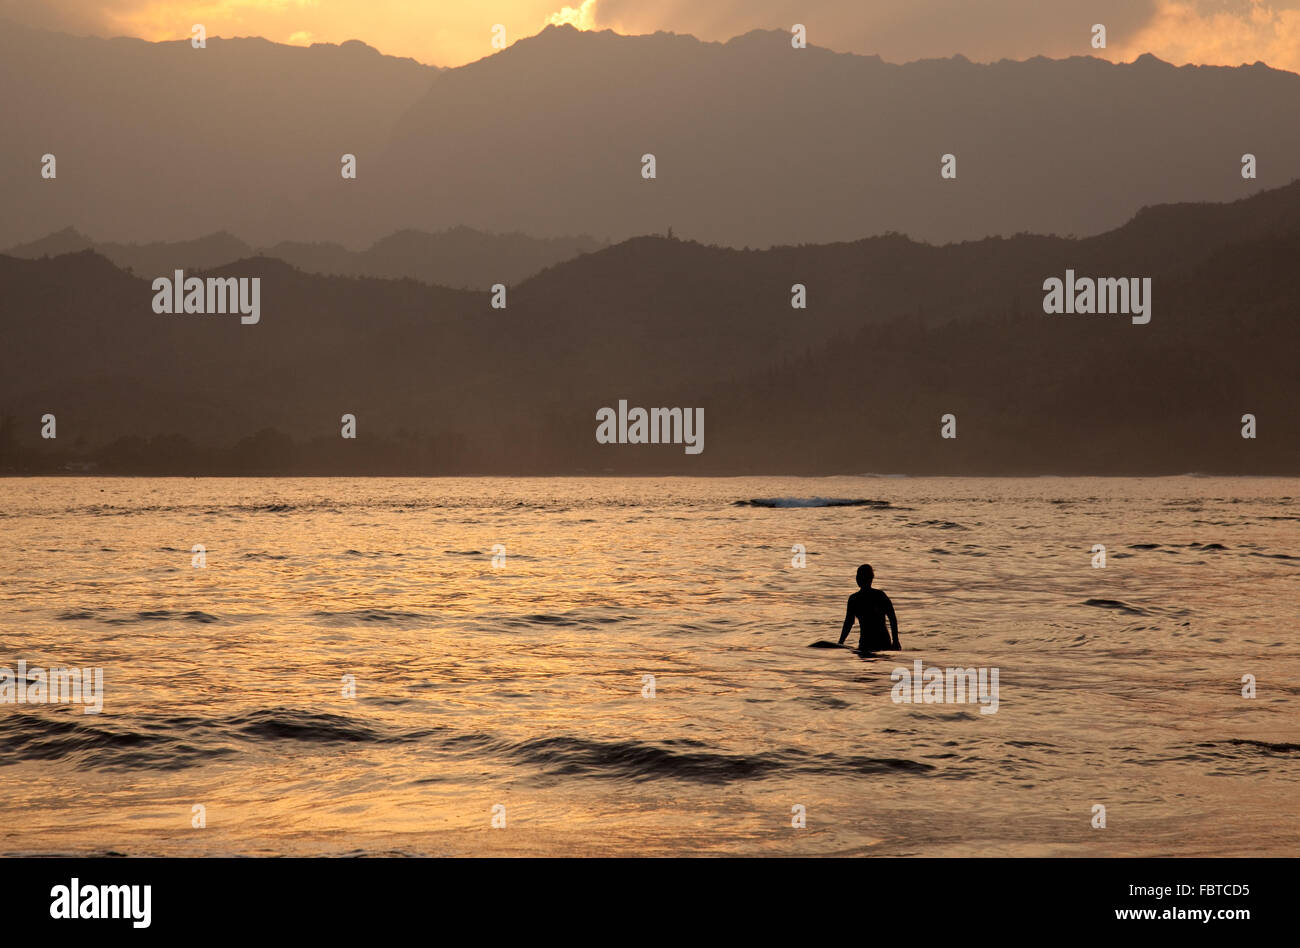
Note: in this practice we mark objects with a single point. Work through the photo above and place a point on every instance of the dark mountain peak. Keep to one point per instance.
(221, 236)
(359, 52)
(354, 45)
(67, 240)
(645, 255)
(79, 267)
(757, 37)
(564, 39)
(259, 43)
(556, 36)
(1275, 212)
(944, 64)
(256, 267)
(1150, 59)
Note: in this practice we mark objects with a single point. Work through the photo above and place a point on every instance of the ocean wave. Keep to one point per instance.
(283, 724)
(368, 615)
(177, 742)
(151, 615)
(97, 743)
(1266, 747)
(639, 761)
(1240, 750)
(163, 615)
(1118, 605)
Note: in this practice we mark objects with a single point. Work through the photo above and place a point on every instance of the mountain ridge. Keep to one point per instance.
(458, 257)
(757, 144)
(895, 335)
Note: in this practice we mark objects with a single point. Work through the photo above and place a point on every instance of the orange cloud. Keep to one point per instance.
(1227, 32)
(1181, 32)
(582, 17)
(166, 19)
(436, 31)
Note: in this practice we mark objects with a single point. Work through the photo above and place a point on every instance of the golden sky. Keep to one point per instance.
(1223, 32)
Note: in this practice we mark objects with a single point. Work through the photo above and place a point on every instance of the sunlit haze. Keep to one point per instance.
(1218, 32)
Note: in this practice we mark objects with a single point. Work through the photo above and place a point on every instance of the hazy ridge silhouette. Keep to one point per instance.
(756, 143)
(895, 334)
(459, 257)
(158, 141)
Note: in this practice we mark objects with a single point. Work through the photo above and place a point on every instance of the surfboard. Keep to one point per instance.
(822, 643)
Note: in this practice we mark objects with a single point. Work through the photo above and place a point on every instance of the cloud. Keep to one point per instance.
(898, 30)
(583, 17)
(1222, 33)
(1225, 32)
(155, 19)
(439, 33)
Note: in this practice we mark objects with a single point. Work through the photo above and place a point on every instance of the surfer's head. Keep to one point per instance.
(865, 575)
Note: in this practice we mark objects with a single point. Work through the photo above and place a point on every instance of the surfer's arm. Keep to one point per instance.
(893, 621)
(848, 623)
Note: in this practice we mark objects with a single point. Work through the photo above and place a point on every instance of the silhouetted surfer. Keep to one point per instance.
(870, 607)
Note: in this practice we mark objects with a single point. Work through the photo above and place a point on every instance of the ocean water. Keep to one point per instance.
(518, 691)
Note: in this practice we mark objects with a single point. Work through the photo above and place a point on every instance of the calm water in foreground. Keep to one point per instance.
(521, 685)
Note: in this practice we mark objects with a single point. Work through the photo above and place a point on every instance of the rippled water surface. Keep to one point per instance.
(523, 685)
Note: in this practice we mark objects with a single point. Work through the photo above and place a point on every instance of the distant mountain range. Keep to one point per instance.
(159, 141)
(460, 258)
(895, 334)
(756, 143)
